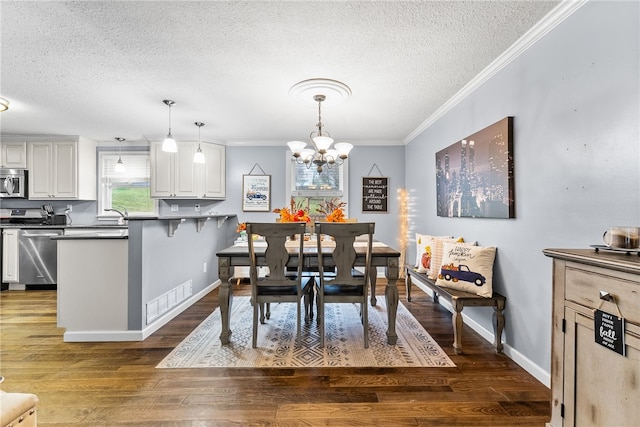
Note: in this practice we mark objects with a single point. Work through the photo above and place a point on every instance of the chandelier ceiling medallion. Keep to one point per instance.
(321, 154)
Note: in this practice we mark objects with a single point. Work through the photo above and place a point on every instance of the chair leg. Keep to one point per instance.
(320, 300)
(298, 320)
(365, 324)
(262, 313)
(308, 301)
(254, 341)
(268, 313)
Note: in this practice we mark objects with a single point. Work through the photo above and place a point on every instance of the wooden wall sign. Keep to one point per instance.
(375, 192)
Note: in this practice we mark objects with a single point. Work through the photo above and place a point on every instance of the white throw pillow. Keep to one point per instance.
(436, 253)
(467, 268)
(423, 240)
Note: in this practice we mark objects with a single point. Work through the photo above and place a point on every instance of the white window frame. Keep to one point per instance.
(344, 180)
(104, 196)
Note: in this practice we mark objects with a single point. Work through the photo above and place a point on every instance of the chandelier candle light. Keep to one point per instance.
(322, 154)
(169, 144)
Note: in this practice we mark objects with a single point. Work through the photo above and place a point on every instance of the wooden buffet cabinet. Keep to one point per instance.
(592, 385)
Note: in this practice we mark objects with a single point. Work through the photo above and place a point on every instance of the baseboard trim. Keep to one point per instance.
(527, 364)
(169, 315)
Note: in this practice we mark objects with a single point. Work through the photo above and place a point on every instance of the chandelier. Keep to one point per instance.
(321, 154)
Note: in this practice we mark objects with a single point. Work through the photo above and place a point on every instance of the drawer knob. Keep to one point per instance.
(604, 295)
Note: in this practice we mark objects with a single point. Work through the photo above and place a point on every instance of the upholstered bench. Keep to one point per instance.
(18, 409)
(459, 300)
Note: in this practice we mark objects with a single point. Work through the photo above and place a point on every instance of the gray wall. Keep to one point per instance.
(272, 159)
(575, 97)
(159, 263)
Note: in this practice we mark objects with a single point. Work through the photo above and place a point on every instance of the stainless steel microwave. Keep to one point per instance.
(13, 183)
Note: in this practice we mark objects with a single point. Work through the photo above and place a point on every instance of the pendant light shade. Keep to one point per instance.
(4, 104)
(199, 156)
(169, 144)
(119, 167)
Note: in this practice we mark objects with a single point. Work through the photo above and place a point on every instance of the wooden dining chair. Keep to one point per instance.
(339, 280)
(279, 285)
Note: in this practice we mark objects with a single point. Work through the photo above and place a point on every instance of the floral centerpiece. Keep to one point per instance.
(242, 229)
(294, 213)
(333, 210)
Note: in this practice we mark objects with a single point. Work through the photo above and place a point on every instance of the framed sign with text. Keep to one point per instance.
(375, 192)
(256, 193)
(609, 331)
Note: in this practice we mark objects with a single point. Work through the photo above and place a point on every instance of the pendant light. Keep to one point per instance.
(169, 144)
(199, 156)
(119, 167)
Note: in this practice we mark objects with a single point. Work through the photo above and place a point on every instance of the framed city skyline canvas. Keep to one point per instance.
(475, 177)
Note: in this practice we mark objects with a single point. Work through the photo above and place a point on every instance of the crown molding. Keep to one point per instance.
(551, 20)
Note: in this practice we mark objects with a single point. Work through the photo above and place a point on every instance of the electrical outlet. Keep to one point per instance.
(204, 267)
(174, 208)
(69, 208)
(197, 208)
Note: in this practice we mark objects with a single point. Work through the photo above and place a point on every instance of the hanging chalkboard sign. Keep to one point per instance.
(375, 192)
(609, 331)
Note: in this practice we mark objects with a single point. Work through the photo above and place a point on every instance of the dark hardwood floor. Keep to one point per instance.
(117, 384)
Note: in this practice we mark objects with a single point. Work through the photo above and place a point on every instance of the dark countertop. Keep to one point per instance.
(62, 226)
(103, 233)
(113, 224)
(184, 216)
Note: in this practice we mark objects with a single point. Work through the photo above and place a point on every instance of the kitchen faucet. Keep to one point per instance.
(123, 215)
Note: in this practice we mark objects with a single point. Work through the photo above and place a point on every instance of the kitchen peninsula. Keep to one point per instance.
(123, 286)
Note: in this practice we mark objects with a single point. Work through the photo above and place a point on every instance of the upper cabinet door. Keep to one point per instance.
(214, 171)
(161, 172)
(185, 184)
(40, 170)
(13, 155)
(65, 170)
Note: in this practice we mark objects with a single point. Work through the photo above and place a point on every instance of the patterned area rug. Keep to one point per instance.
(344, 344)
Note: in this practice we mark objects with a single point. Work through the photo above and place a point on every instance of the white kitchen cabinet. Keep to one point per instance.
(62, 169)
(10, 256)
(176, 176)
(13, 154)
(173, 175)
(214, 171)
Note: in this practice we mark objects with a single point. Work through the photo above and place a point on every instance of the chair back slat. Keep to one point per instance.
(276, 255)
(344, 255)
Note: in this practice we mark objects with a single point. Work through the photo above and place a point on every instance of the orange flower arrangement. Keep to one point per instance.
(241, 227)
(333, 209)
(293, 214)
(336, 216)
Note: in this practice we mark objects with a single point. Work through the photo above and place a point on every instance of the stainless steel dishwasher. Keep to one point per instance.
(38, 256)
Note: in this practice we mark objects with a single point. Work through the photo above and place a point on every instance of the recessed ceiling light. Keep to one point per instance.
(4, 104)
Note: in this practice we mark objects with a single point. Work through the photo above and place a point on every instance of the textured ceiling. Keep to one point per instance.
(101, 69)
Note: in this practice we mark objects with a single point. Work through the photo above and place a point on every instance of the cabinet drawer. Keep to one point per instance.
(583, 287)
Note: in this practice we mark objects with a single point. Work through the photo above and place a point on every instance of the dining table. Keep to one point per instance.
(382, 256)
